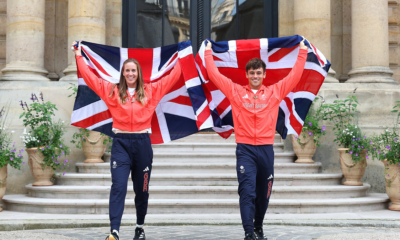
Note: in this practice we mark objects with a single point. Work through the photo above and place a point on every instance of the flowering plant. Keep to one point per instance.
(343, 114)
(8, 154)
(387, 145)
(311, 125)
(43, 132)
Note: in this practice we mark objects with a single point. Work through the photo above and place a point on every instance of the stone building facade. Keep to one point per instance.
(360, 37)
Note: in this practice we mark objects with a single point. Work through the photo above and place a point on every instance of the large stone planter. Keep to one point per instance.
(40, 172)
(306, 150)
(93, 147)
(392, 179)
(3, 182)
(353, 172)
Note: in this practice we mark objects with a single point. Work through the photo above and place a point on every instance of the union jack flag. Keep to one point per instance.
(182, 111)
(280, 55)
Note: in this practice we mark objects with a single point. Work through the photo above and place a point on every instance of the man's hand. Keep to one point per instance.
(209, 45)
(76, 51)
(302, 45)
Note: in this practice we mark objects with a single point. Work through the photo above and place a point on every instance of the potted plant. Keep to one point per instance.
(353, 144)
(386, 148)
(307, 142)
(92, 143)
(43, 140)
(8, 153)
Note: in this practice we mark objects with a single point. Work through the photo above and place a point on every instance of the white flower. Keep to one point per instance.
(12, 131)
(24, 131)
(356, 126)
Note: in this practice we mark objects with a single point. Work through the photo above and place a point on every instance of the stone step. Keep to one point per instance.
(215, 138)
(204, 157)
(181, 147)
(198, 192)
(286, 157)
(163, 167)
(89, 179)
(23, 203)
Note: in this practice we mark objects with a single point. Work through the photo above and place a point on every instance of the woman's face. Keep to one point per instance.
(131, 74)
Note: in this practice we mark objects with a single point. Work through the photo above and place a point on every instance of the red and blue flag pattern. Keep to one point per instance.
(280, 55)
(182, 111)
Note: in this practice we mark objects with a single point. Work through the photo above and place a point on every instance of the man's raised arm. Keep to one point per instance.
(223, 83)
(286, 85)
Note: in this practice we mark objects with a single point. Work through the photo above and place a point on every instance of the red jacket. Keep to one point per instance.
(131, 116)
(255, 115)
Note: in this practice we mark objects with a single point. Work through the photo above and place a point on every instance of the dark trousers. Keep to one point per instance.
(131, 153)
(255, 173)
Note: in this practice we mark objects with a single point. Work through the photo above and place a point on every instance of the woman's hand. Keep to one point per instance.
(209, 45)
(78, 52)
(303, 45)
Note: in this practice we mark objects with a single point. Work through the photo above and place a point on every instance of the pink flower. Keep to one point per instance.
(63, 173)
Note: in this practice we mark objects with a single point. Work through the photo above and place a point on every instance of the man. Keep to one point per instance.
(255, 110)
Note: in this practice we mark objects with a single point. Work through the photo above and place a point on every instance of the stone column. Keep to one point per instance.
(312, 19)
(346, 60)
(50, 39)
(86, 21)
(3, 33)
(285, 18)
(337, 36)
(114, 23)
(25, 41)
(370, 42)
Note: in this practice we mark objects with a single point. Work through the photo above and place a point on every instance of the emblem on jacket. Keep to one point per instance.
(263, 97)
(114, 164)
(242, 169)
(245, 96)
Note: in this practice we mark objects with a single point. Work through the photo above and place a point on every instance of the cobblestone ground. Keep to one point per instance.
(210, 233)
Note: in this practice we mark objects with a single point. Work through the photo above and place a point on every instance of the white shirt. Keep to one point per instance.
(254, 91)
(131, 92)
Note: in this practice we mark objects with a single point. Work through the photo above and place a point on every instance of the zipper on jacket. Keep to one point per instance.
(131, 112)
(255, 117)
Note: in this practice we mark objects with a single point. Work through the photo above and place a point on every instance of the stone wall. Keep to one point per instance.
(3, 24)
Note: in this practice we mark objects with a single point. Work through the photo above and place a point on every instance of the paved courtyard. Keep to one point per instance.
(205, 232)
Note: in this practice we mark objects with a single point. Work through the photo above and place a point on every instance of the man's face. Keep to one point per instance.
(256, 77)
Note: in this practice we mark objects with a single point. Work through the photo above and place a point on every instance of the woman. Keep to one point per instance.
(132, 104)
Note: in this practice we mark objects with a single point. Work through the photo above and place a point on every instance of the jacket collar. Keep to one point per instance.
(262, 88)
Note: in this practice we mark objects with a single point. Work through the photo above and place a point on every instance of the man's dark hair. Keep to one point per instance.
(255, 63)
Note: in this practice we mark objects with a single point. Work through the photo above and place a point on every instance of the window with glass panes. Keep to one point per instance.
(155, 23)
